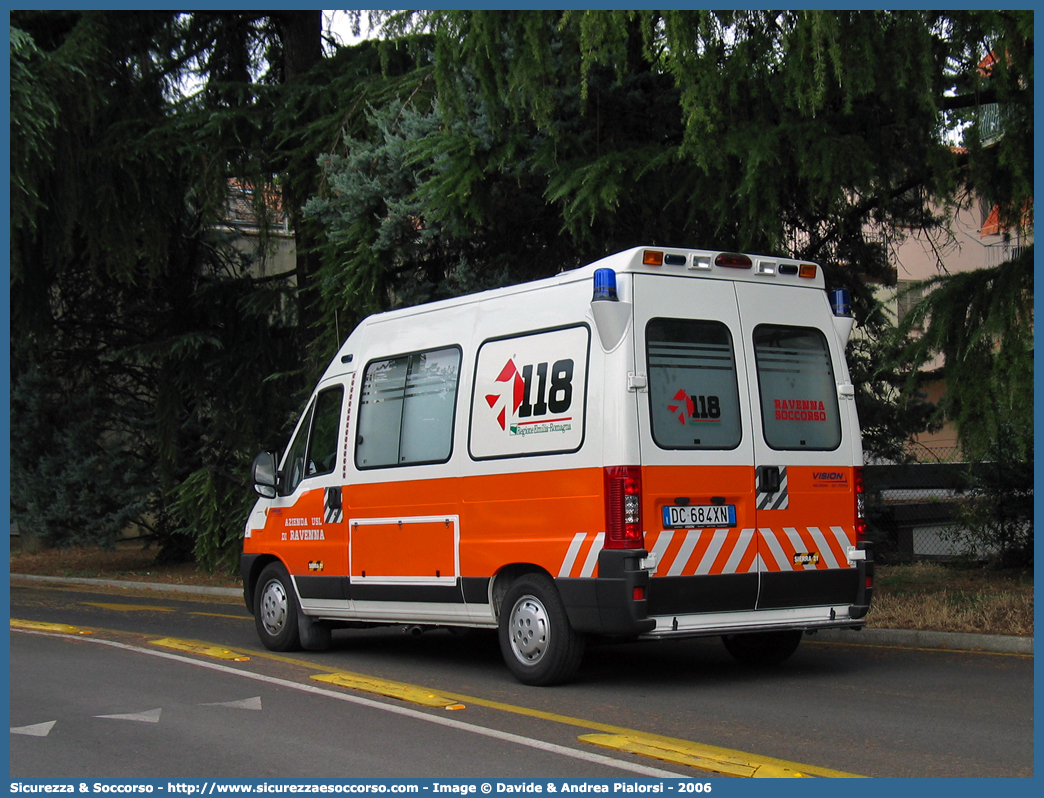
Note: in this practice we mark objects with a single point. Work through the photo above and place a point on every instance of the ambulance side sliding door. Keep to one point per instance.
(404, 525)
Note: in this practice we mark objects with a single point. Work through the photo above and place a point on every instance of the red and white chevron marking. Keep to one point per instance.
(701, 552)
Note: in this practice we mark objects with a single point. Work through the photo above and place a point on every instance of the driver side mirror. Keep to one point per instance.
(265, 474)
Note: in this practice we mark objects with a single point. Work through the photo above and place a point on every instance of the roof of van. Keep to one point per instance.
(664, 261)
(680, 262)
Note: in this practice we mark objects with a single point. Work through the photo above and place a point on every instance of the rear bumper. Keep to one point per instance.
(807, 600)
(865, 569)
(714, 605)
(606, 604)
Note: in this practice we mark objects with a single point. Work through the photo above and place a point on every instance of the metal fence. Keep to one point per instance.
(910, 509)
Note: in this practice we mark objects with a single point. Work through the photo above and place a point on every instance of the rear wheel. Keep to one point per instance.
(762, 648)
(275, 609)
(536, 640)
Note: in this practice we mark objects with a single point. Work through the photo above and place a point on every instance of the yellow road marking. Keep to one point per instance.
(719, 760)
(404, 692)
(129, 607)
(40, 626)
(222, 615)
(708, 757)
(683, 752)
(205, 649)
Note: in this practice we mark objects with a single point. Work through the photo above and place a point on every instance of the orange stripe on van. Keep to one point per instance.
(768, 557)
(735, 538)
(748, 563)
(671, 554)
(830, 533)
(788, 550)
(697, 555)
(503, 519)
(586, 563)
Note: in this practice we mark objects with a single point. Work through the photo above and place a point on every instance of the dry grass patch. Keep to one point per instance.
(942, 598)
(130, 561)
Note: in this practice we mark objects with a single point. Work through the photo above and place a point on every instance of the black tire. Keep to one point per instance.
(275, 609)
(763, 648)
(536, 640)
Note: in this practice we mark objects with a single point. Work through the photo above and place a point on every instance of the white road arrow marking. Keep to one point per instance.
(36, 730)
(560, 750)
(246, 703)
(152, 716)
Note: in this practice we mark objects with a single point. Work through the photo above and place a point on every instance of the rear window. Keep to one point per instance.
(798, 392)
(693, 395)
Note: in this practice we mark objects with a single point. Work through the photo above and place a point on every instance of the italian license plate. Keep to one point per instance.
(676, 516)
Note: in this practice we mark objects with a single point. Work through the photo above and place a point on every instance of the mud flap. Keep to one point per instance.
(314, 635)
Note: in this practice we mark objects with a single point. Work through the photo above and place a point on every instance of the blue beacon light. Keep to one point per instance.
(841, 302)
(605, 285)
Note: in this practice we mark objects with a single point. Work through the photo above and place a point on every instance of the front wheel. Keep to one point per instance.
(275, 609)
(536, 640)
(762, 648)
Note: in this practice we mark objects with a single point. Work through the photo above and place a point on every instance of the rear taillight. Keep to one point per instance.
(623, 508)
(860, 505)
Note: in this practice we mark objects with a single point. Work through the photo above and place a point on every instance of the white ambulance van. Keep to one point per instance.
(660, 444)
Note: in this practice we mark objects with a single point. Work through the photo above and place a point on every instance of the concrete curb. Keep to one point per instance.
(904, 638)
(915, 638)
(158, 587)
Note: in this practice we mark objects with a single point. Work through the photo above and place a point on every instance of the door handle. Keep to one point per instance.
(768, 479)
(333, 499)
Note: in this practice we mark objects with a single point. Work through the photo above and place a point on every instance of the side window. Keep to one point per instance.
(693, 393)
(314, 448)
(322, 451)
(798, 392)
(406, 409)
(293, 468)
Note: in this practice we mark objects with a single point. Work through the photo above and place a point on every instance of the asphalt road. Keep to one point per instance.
(880, 712)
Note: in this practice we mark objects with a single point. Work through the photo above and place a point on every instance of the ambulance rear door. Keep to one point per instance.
(697, 451)
(805, 446)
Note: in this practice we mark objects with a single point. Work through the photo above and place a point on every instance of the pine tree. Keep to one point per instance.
(803, 133)
(134, 318)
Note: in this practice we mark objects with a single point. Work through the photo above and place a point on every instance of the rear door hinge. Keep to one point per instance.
(637, 382)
